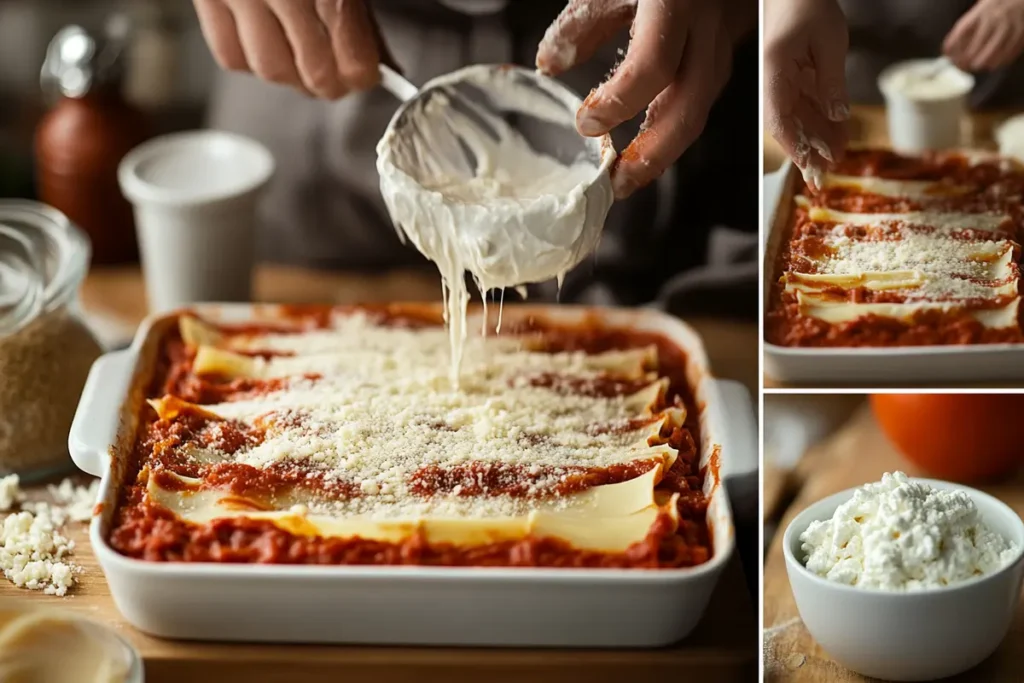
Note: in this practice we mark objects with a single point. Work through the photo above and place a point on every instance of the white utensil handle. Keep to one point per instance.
(397, 84)
(96, 421)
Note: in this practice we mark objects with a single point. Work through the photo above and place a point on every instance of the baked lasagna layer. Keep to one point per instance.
(903, 250)
(338, 437)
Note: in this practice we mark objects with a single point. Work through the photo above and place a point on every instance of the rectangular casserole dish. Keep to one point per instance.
(401, 604)
(908, 364)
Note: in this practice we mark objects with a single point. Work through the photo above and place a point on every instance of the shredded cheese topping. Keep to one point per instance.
(381, 417)
(907, 263)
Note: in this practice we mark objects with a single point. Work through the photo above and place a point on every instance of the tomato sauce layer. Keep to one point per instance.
(147, 531)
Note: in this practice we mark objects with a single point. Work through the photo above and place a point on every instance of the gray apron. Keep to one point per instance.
(323, 208)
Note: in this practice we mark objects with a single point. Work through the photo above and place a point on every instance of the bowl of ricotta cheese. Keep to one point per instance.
(925, 102)
(887, 575)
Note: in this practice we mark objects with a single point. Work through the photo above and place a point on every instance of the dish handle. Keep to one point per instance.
(738, 438)
(96, 421)
(773, 183)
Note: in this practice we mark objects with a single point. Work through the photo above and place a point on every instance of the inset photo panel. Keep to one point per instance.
(893, 537)
(892, 195)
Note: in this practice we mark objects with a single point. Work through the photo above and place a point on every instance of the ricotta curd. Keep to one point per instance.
(902, 535)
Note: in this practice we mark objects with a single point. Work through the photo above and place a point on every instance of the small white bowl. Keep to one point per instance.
(924, 121)
(908, 636)
(1010, 136)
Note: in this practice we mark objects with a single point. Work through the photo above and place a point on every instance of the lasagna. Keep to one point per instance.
(337, 437)
(899, 250)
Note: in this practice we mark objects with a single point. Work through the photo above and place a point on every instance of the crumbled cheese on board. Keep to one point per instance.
(903, 535)
(10, 492)
(34, 553)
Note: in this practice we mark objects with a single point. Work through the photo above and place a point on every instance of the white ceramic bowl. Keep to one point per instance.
(1010, 136)
(920, 122)
(908, 636)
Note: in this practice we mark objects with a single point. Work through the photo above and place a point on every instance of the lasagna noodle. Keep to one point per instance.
(631, 364)
(938, 221)
(832, 311)
(606, 518)
(910, 189)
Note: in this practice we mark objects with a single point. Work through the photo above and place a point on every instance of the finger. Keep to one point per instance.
(264, 42)
(829, 57)
(221, 34)
(995, 50)
(826, 139)
(956, 42)
(311, 44)
(354, 39)
(579, 30)
(1014, 46)
(650, 65)
(676, 117)
(781, 94)
(984, 36)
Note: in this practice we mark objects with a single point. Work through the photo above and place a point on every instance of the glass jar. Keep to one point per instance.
(45, 348)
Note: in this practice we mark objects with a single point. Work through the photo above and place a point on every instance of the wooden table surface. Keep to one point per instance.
(858, 453)
(723, 646)
(868, 127)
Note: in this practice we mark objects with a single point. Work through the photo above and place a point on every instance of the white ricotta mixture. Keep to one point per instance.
(901, 535)
(927, 80)
(468, 190)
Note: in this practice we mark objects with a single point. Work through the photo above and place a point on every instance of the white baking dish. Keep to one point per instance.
(409, 605)
(909, 364)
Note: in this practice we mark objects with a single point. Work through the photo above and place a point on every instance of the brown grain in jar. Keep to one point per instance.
(46, 350)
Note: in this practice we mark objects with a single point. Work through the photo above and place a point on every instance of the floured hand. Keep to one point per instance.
(678, 61)
(805, 102)
(325, 48)
(989, 36)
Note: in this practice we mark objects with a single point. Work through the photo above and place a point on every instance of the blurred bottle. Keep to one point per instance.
(80, 142)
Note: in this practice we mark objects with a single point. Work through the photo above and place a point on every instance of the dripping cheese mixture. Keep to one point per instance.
(469, 191)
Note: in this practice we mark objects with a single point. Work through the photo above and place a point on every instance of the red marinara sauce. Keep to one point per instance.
(148, 531)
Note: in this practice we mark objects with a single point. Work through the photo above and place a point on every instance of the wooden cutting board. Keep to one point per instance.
(722, 648)
(857, 454)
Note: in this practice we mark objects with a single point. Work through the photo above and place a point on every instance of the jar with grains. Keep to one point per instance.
(45, 349)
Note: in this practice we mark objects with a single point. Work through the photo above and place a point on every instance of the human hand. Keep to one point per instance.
(678, 61)
(325, 48)
(805, 101)
(988, 36)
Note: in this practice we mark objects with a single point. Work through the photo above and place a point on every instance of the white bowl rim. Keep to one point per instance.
(139, 191)
(884, 82)
(842, 496)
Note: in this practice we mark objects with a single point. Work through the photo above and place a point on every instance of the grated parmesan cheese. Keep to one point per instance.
(384, 408)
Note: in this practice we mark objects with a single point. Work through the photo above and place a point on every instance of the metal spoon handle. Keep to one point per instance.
(397, 84)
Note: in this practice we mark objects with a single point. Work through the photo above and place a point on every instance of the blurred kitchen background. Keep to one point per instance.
(819, 444)
(167, 70)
